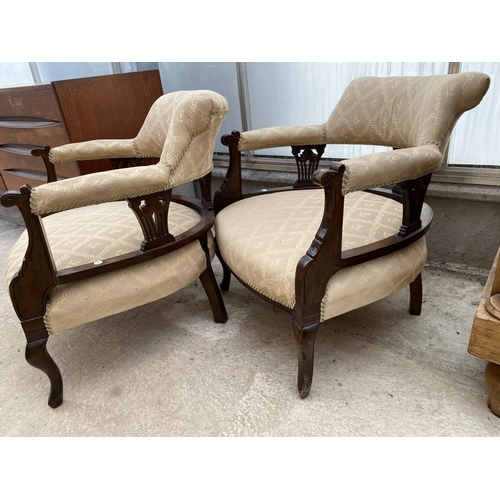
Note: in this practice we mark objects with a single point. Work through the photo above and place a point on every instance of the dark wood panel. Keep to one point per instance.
(55, 135)
(107, 107)
(3, 187)
(26, 122)
(9, 161)
(34, 101)
(15, 178)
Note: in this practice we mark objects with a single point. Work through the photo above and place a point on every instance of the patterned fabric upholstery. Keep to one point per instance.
(180, 128)
(89, 234)
(399, 112)
(94, 150)
(279, 228)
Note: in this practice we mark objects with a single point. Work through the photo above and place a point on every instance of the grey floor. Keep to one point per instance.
(166, 369)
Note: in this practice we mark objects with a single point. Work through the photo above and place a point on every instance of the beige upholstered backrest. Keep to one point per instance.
(404, 112)
(181, 128)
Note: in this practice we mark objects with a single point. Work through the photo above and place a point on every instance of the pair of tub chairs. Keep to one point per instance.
(340, 238)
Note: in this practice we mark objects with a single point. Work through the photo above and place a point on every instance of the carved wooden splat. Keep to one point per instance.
(152, 213)
(307, 159)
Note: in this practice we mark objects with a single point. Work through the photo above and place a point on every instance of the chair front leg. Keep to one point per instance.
(38, 356)
(305, 337)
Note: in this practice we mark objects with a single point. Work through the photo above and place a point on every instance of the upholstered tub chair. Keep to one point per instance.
(351, 234)
(106, 242)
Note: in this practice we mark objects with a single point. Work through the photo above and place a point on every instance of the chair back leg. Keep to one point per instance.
(416, 296)
(209, 283)
(226, 277)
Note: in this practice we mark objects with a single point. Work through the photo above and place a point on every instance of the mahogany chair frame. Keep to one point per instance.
(38, 275)
(325, 256)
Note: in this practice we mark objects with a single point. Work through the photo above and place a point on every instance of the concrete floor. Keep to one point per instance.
(166, 369)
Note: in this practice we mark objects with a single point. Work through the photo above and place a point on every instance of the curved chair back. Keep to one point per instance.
(181, 128)
(404, 112)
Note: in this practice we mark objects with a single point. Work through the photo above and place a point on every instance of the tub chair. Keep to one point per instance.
(106, 242)
(352, 233)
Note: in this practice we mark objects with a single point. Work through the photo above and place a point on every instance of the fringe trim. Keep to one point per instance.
(325, 298)
(46, 318)
(84, 158)
(264, 293)
(280, 145)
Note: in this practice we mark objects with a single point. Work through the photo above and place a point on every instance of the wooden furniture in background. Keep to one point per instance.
(82, 109)
(485, 336)
(29, 117)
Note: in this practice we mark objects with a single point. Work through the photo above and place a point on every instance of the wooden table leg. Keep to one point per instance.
(492, 376)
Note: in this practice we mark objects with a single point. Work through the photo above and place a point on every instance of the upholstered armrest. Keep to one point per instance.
(274, 137)
(97, 188)
(94, 150)
(380, 169)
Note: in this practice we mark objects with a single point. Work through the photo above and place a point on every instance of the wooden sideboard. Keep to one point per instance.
(83, 109)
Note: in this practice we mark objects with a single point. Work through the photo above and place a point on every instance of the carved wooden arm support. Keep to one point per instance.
(323, 259)
(49, 166)
(231, 189)
(37, 275)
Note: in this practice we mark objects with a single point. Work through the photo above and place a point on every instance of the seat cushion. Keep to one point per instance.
(263, 238)
(88, 234)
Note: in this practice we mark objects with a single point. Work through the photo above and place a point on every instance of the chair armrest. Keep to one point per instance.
(94, 150)
(274, 137)
(100, 187)
(391, 167)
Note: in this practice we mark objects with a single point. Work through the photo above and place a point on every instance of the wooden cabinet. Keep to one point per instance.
(102, 107)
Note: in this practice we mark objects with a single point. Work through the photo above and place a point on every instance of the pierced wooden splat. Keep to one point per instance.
(152, 213)
(307, 159)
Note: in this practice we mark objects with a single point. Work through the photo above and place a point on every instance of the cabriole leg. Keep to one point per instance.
(37, 356)
(416, 296)
(305, 336)
(209, 283)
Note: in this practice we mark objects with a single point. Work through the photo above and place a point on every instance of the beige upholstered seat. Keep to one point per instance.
(96, 233)
(278, 230)
(319, 253)
(115, 240)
